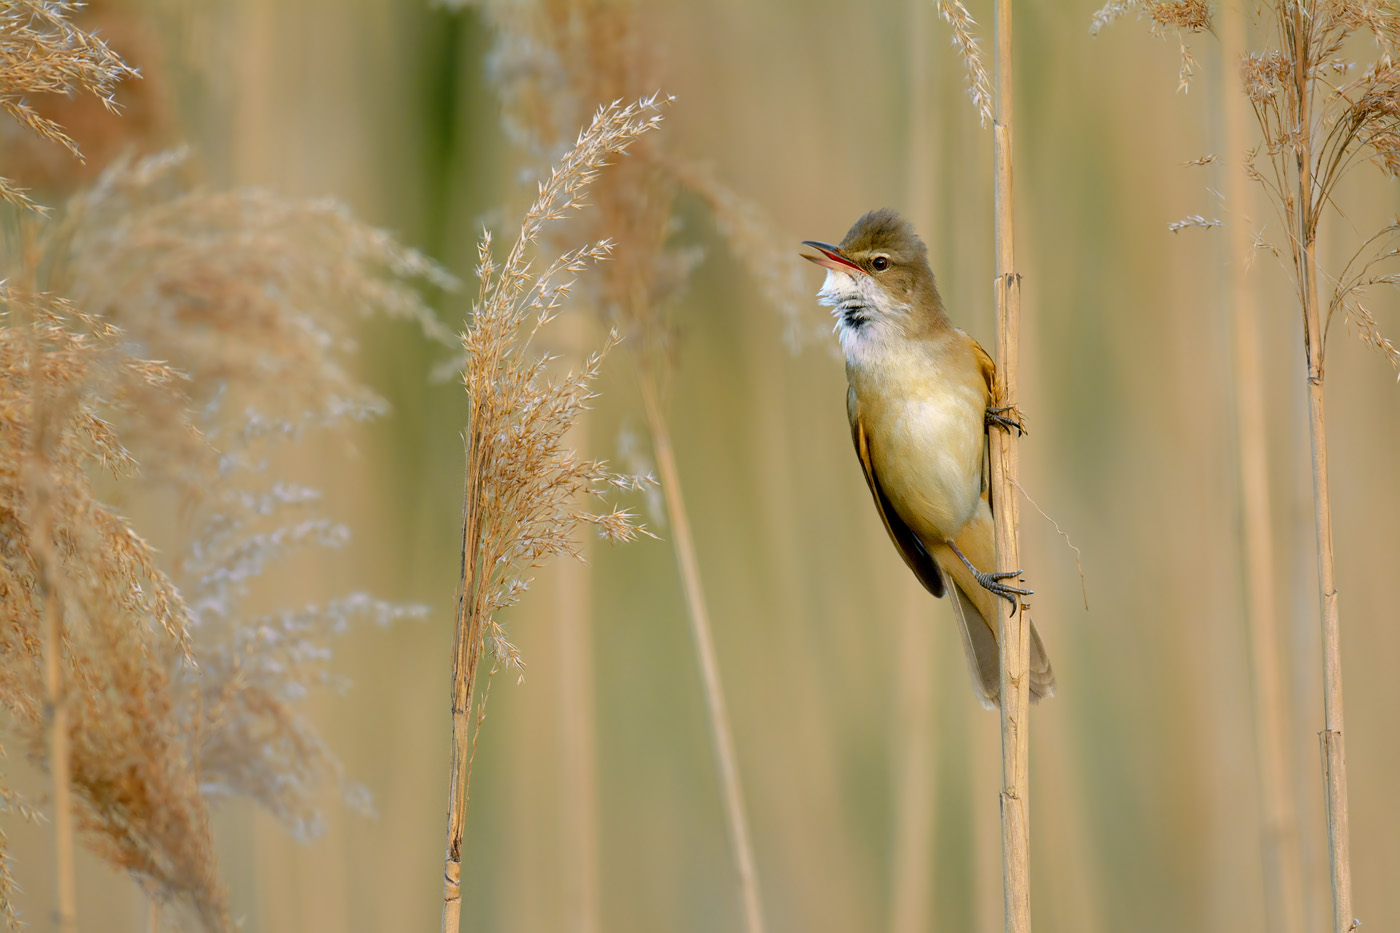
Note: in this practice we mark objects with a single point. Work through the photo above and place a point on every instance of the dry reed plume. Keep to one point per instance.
(523, 486)
(979, 84)
(1320, 115)
(43, 52)
(1182, 16)
(249, 295)
(144, 685)
(255, 297)
(76, 570)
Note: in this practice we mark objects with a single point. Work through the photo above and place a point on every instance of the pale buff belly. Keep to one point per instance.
(930, 453)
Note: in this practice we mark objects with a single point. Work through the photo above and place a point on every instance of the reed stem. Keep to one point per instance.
(721, 738)
(1305, 256)
(1014, 634)
(466, 635)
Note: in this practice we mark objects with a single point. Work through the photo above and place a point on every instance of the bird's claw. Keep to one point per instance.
(1008, 418)
(992, 583)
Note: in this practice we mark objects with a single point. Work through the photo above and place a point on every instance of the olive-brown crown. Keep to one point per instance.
(885, 245)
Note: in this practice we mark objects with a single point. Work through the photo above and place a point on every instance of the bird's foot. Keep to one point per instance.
(992, 583)
(1008, 418)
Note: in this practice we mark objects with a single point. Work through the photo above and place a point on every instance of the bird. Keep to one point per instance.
(920, 401)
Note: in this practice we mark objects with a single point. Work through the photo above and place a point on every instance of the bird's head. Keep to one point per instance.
(878, 280)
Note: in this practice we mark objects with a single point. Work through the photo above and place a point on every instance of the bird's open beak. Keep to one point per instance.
(831, 257)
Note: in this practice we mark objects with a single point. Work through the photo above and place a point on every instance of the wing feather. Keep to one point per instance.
(989, 371)
(905, 541)
(989, 374)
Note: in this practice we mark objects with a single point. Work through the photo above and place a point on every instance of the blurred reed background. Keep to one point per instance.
(870, 772)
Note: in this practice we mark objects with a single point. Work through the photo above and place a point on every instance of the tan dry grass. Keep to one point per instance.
(255, 298)
(523, 486)
(43, 52)
(175, 693)
(124, 625)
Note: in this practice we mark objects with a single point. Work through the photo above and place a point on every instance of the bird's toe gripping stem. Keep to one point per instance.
(1008, 418)
(992, 583)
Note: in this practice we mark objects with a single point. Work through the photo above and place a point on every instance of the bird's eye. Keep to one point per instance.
(880, 263)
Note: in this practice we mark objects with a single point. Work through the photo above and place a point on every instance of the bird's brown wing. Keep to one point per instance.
(908, 543)
(989, 373)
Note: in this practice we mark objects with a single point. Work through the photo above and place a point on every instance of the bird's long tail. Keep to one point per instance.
(979, 613)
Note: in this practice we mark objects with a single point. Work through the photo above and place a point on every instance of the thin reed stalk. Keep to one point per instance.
(464, 666)
(721, 736)
(1014, 634)
(1279, 841)
(1333, 752)
(1298, 28)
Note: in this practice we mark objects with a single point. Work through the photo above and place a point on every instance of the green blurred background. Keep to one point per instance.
(870, 772)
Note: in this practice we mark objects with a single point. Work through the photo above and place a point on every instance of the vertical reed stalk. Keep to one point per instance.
(721, 738)
(466, 657)
(1014, 635)
(1333, 753)
(464, 665)
(1279, 842)
(1305, 257)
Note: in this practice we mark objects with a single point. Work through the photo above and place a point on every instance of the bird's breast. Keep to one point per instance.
(926, 433)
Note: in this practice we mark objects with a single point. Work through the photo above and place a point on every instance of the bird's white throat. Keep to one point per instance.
(865, 319)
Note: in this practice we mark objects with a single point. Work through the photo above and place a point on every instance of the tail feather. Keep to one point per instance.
(980, 646)
(984, 658)
(1042, 674)
(980, 612)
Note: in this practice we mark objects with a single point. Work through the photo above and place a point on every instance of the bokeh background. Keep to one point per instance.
(870, 772)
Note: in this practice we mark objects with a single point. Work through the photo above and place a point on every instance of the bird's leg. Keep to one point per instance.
(1008, 418)
(992, 581)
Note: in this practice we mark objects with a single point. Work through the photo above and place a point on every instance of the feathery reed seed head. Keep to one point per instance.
(523, 484)
(41, 51)
(979, 83)
(176, 692)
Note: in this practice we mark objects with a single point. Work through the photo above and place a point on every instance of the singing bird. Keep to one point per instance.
(919, 399)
